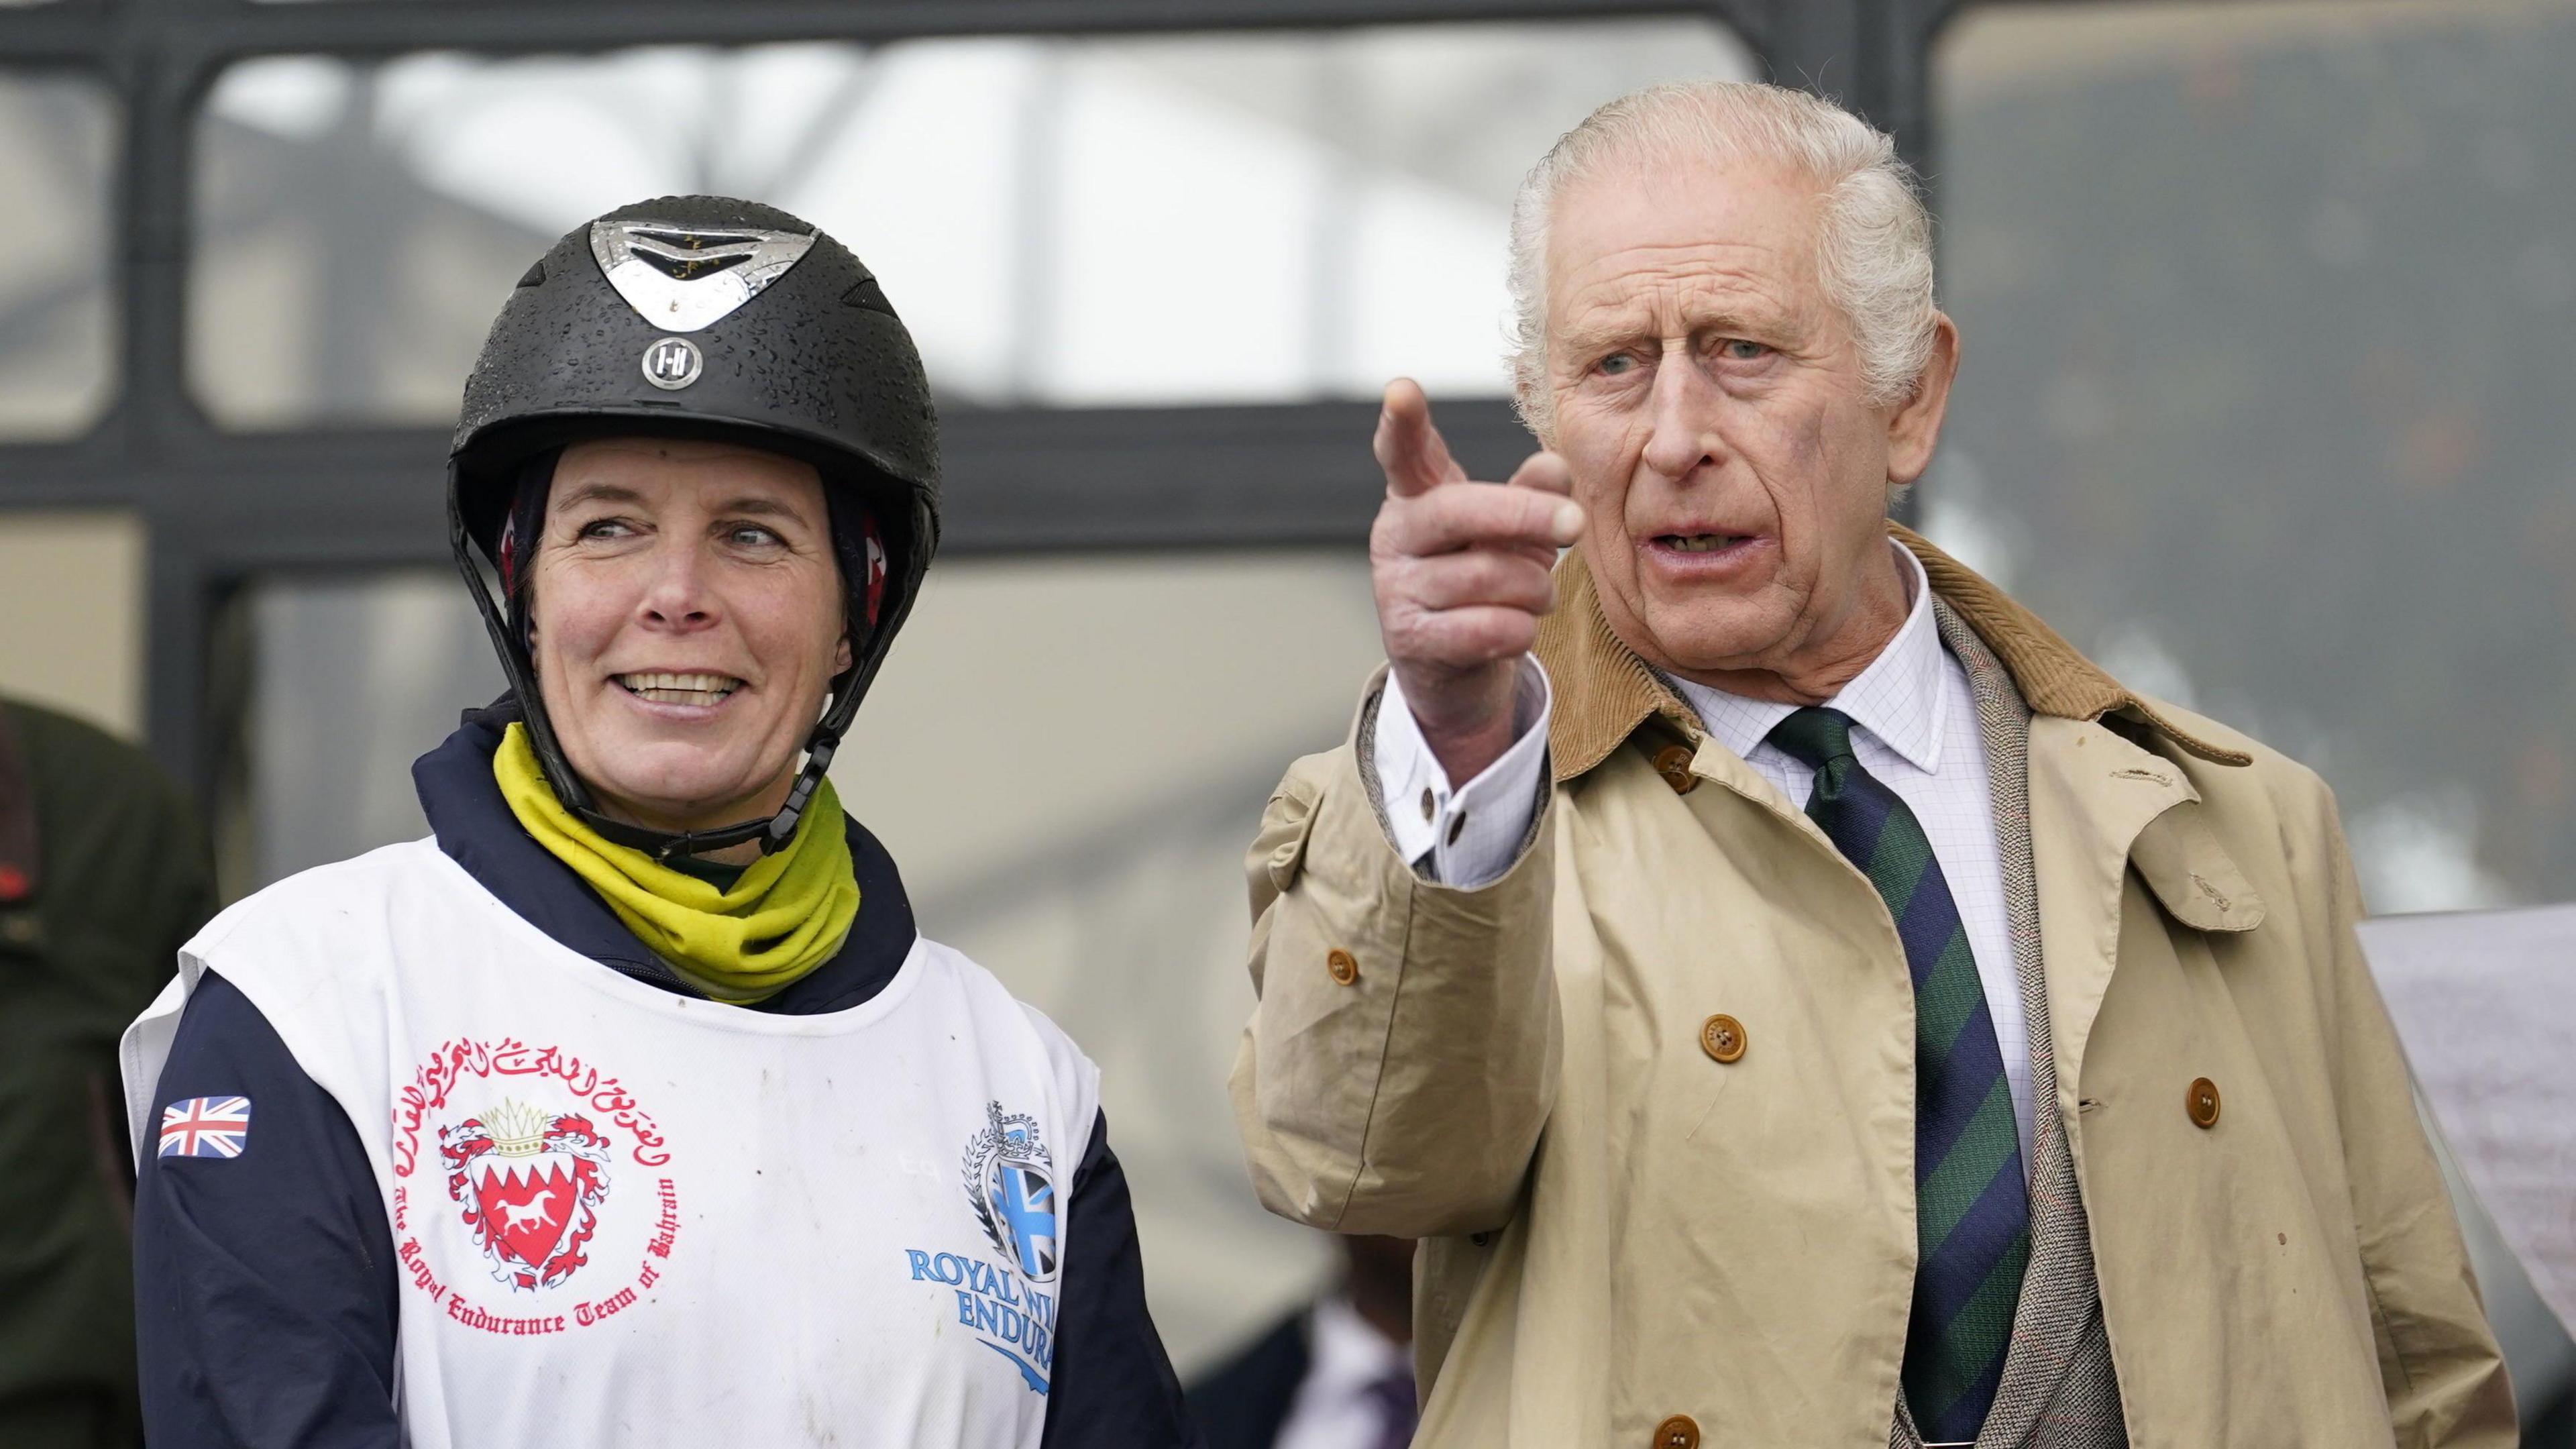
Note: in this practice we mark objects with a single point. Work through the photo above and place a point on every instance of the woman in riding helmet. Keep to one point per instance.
(630, 1108)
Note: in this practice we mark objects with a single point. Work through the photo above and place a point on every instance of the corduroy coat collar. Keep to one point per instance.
(1604, 691)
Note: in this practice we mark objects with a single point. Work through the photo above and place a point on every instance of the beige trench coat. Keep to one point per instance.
(1623, 1228)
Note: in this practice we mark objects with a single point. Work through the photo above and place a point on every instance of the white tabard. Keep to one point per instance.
(626, 1217)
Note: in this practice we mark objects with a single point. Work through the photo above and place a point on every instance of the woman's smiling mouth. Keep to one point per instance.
(669, 688)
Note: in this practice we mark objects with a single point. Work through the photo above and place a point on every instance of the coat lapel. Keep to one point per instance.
(2092, 795)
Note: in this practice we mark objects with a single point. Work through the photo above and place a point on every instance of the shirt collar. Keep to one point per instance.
(1897, 698)
(1347, 1352)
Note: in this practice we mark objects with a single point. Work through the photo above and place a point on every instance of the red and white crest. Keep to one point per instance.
(876, 570)
(531, 1184)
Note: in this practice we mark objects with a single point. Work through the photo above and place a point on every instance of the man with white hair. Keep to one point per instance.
(1797, 997)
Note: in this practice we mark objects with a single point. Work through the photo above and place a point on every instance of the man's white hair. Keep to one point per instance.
(1874, 243)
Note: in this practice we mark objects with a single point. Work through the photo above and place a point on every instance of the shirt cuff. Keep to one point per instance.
(1471, 834)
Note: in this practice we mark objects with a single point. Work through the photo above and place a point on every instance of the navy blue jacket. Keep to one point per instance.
(265, 1284)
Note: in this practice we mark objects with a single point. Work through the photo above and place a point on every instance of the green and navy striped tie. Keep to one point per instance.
(1972, 1206)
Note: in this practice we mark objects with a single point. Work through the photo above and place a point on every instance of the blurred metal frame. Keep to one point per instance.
(220, 506)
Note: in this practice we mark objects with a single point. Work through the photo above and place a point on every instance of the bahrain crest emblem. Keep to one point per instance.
(531, 1185)
(524, 1138)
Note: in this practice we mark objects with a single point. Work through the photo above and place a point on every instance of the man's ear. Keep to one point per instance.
(841, 655)
(1915, 425)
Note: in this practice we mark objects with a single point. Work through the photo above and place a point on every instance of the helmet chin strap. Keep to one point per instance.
(773, 833)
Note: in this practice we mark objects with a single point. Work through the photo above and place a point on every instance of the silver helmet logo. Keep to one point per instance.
(672, 363)
(682, 278)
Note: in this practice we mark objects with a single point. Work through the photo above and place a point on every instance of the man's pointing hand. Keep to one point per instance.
(1462, 573)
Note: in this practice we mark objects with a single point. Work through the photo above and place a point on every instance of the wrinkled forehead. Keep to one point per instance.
(1651, 232)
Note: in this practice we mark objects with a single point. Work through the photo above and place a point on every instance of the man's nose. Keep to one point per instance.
(1683, 410)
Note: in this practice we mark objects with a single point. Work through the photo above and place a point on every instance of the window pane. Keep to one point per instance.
(1067, 760)
(1269, 216)
(2270, 323)
(351, 679)
(57, 148)
(71, 612)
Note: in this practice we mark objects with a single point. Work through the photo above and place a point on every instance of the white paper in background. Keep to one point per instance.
(2486, 1004)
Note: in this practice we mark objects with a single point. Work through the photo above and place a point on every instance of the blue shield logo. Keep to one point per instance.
(1024, 1208)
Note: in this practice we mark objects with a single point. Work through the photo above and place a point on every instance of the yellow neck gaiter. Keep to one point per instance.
(788, 914)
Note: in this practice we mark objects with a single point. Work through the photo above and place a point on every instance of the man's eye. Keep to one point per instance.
(1742, 351)
(752, 535)
(605, 528)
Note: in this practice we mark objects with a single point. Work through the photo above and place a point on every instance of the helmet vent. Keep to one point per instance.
(681, 255)
(682, 278)
(867, 296)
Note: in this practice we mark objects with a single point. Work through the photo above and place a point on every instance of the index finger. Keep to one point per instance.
(1410, 450)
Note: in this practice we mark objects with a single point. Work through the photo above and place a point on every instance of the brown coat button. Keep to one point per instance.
(1673, 763)
(2202, 1103)
(1678, 1432)
(1343, 969)
(1722, 1037)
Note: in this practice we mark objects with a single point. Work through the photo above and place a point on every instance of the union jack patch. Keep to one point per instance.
(205, 1127)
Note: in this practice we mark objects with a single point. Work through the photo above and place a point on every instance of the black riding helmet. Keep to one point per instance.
(702, 317)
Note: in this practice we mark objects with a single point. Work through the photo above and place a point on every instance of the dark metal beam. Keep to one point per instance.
(65, 34)
(1906, 32)
(1018, 480)
(1815, 45)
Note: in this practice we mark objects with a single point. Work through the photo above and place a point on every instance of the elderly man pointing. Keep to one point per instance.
(1799, 998)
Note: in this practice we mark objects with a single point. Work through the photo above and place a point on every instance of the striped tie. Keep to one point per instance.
(1972, 1207)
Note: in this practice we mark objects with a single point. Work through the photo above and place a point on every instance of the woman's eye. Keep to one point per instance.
(1739, 350)
(1617, 363)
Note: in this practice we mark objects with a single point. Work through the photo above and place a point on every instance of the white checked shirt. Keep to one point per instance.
(1334, 1408)
(1916, 730)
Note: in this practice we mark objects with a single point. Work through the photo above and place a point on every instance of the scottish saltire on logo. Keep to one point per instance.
(205, 1127)
(1010, 1186)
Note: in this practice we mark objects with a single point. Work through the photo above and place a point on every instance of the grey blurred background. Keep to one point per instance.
(2270, 323)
